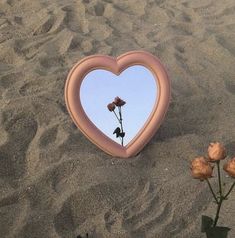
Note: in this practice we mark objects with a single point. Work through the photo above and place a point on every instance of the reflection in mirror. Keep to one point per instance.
(106, 98)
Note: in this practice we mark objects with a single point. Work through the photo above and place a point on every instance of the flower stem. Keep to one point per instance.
(219, 176)
(212, 191)
(221, 198)
(217, 212)
(229, 191)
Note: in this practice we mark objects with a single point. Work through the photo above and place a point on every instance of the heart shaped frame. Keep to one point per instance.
(116, 66)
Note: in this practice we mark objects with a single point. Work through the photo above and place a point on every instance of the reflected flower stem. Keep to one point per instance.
(118, 102)
(120, 121)
(121, 139)
(120, 114)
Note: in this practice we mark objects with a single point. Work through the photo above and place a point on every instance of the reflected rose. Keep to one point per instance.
(111, 106)
(119, 102)
(229, 167)
(201, 168)
(216, 152)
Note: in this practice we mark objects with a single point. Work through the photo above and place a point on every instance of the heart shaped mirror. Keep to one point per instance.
(118, 103)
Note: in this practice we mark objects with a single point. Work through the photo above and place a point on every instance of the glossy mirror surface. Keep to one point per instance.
(135, 85)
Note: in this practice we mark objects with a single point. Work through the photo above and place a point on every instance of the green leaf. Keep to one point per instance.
(217, 232)
(117, 131)
(122, 134)
(206, 223)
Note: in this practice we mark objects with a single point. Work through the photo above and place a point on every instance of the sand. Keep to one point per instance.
(54, 183)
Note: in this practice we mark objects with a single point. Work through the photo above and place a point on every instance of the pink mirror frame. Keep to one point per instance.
(116, 66)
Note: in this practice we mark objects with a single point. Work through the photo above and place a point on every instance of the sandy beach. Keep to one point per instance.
(54, 183)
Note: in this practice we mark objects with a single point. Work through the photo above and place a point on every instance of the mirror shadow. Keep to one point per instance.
(137, 91)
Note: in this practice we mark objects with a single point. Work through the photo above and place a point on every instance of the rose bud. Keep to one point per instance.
(201, 169)
(111, 106)
(229, 167)
(216, 152)
(119, 102)
(198, 161)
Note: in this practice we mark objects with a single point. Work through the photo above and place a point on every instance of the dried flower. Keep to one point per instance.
(216, 152)
(201, 169)
(119, 102)
(229, 167)
(111, 106)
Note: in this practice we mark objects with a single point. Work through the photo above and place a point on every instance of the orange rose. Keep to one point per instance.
(119, 102)
(229, 167)
(201, 169)
(216, 152)
(111, 106)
